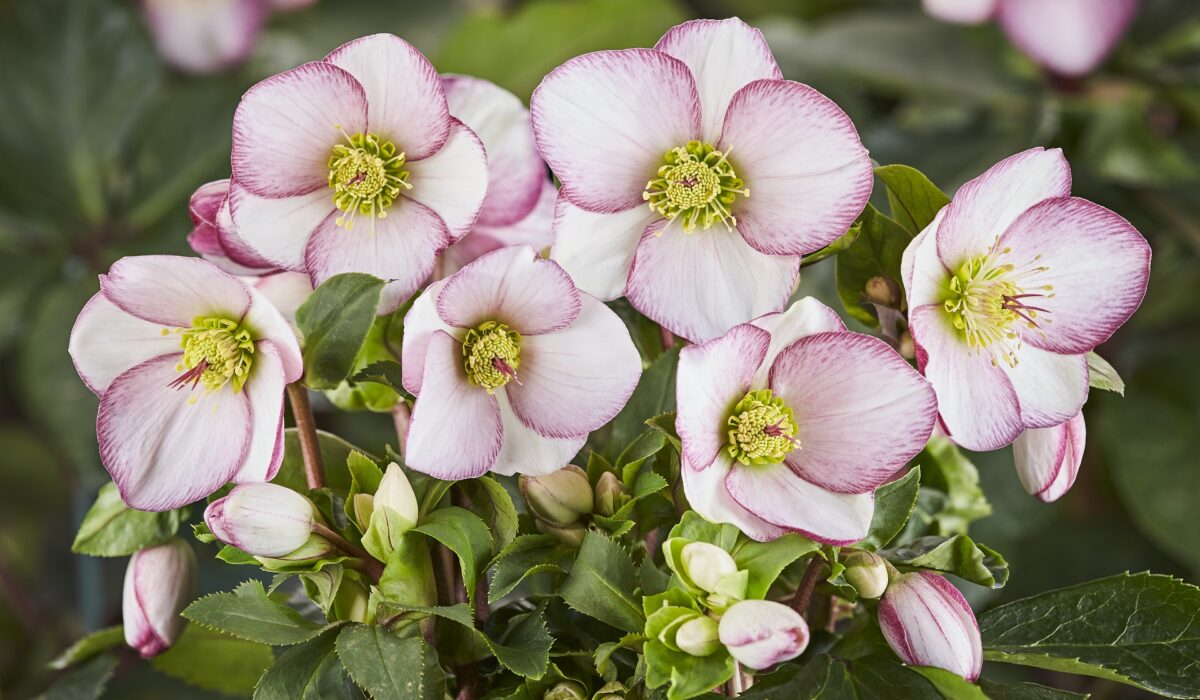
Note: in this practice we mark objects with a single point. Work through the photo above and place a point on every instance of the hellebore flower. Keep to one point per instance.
(927, 622)
(1048, 459)
(266, 520)
(190, 365)
(1008, 288)
(694, 176)
(512, 367)
(1069, 37)
(354, 164)
(204, 36)
(159, 583)
(762, 633)
(790, 422)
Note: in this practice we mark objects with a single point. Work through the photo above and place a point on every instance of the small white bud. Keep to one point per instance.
(867, 572)
(261, 519)
(698, 636)
(706, 564)
(762, 633)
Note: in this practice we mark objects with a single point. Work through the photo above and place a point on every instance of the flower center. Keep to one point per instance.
(988, 303)
(366, 175)
(762, 429)
(491, 355)
(215, 351)
(697, 184)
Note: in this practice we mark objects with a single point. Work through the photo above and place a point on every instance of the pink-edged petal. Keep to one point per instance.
(266, 322)
(928, 622)
(700, 285)
(237, 250)
(526, 451)
(604, 121)
(707, 495)
(1096, 263)
(985, 207)
(723, 55)
(804, 317)
(166, 447)
(976, 400)
(214, 237)
(204, 37)
(535, 230)
(712, 377)
(516, 173)
(774, 493)
(264, 392)
(961, 11)
(421, 323)
(286, 291)
(202, 208)
(1048, 459)
(1050, 387)
(512, 286)
(1070, 37)
(574, 380)
(921, 269)
(106, 341)
(597, 249)
(286, 126)
(172, 290)
(863, 412)
(400, 248)
(404, 93)
(453, 181)
(802, 160)
(278, 230)
(456, 431)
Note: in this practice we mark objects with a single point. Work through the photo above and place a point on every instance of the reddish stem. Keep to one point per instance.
(306, 427)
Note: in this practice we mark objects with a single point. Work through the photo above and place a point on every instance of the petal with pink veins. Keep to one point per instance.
(1070, 37)
(106, 341)
(278, 230)
(1050, 387)
(421, 323)
(286, 126)
(774, 493)
(597, 249)
(1048, 459)
(574, 380)
(863, 412)
(802, 160)
(701, 284)
(513, 286)
(604, 121)
(707, 495)
(928, 622)
(266, 322)
(804, 317)
(527, 451)
(961, 11)
(921, 269)
(172, 291)
(456, 430)
(453, 181)
(264, 392)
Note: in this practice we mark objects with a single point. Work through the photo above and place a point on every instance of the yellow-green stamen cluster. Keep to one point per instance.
(491, 355)
(762, 429)
(366, 175)
(696, 185)
(216, 351)
(987, 304)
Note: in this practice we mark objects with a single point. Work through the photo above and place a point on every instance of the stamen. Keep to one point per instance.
(216, 351)
(491, 355)
(986, 299)
(366, 175)
(696, 185)
(762, 429)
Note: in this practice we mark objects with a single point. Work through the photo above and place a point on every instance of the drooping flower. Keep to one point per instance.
(354, 164)
(762, 633)
(512, 367)
(159, 583)
(927, 622)
(1069, 37)
(693, 175)
(1048, 459)
(1008, 288)
(790, 422)
(190, 365)
(205, 36)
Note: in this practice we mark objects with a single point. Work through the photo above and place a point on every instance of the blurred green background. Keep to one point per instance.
(101, 144)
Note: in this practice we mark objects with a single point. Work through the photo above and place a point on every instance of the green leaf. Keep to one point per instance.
(84, 682)
(464, 534)
(214, 661)
(526, 556)
(1101, 375)
(386, 372)
(334, 453)
(958, 555)
(766, 560)
(841, 243)
(308, 671)
(665, 424)
(390, 667)
(912, 198)
(945, 469)
(335, 321)
(365, 474)
(693, 526)
(113, 529)
(88, 646)
(654, 395)
(874, 254)
(1025, 691)
(687, 675)
(894, 503)
(1139, 629)
(951, 685)
(492, 502)
(826, 678)
(247, 613)
(601, 584)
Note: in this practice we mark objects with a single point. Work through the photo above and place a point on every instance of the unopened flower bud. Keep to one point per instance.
(906, 347)
(566, 690)
(927, 622)
(393, 513)
(698, 636)
(613, 690)
(867, 572)
(570, 535)
(762, 633)
(158, 585)
(610, 494)
(350, 602)
(363, 505)
(706, 564)
(396, 493)
(558, 498)
(883, 291)
(262, 519)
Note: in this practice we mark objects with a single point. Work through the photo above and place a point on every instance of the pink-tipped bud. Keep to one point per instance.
(159, 583)
(927, 622)
(762, 633)
(265, 520)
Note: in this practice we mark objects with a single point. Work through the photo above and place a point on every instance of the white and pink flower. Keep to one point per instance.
(512, 367)
(159, 583)
(205, 36)
(190, 365)
(790, 422)
(694, 176)
(354, 164)
(928, 622)
(1008, 288)
(1048, 459)
(762, 633)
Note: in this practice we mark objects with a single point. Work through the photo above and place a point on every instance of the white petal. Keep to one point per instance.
(804, 317)
(420, 324)
(1048, 459)
(264, 391)
(513, 286)
(286, 291)
(922, 270)
(106, 341)
(453, 181)
(597, 249)
(526, 451)
(279, 229)
(266, 322)
(1051, 388)
(707, 495)
(777, 495)
(535, 230)
(172, 291)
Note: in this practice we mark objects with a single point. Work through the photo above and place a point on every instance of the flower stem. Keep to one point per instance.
(306, 427)
(371, 566)
(804, 591)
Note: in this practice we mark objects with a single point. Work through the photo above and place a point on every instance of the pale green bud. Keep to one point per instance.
(393, 513)
(706, 564)
(566, 690)
(559, 498)
(396, 493)
(610, 494)
(698, 636)
(867, 572)
(364, 505)
(570, 535)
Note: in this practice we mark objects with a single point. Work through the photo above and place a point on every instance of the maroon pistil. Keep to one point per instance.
(192, 376)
